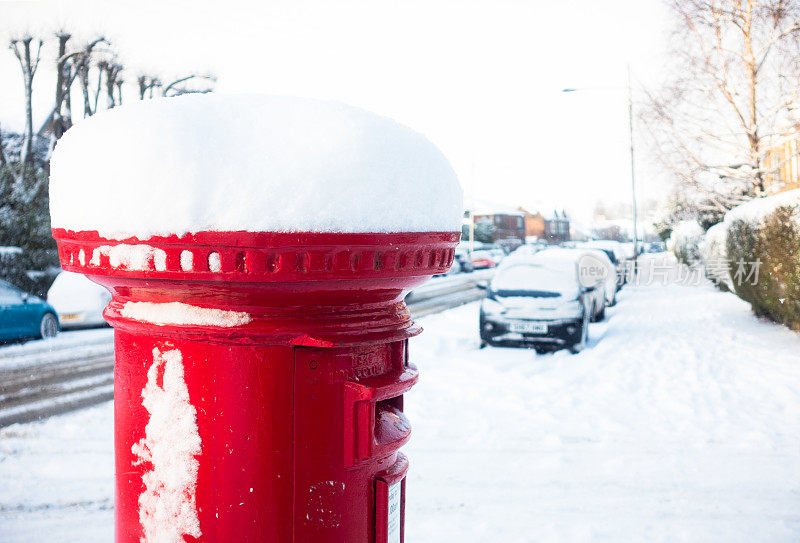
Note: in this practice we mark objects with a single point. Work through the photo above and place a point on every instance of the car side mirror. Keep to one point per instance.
(25, 297)
(483, 285)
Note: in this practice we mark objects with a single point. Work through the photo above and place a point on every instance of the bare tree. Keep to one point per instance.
(112, 70)
(83, 78)
(3, 161)
(67, 114)
(729, 97)
(101, 68)
(69, 66)
(181, 85)
(91, 99)
(188, 84)
(28, 63)
(61, 114)
(83, 62)
(147, 84)
(118, 82)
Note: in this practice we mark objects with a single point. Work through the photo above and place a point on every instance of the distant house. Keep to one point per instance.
(500, 225)
(502, 228)
(551, 227)
(782, 163)
(510, 227)
(578, 232)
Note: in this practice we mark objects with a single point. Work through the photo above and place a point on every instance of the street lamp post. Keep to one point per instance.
(633, 176)
(633, 163)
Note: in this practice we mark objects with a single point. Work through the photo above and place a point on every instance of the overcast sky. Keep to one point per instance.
(481, 79)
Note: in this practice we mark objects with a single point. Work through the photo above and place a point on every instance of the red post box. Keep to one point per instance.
(259, 380)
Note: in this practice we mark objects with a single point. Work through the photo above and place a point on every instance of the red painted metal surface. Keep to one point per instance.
(299, 411)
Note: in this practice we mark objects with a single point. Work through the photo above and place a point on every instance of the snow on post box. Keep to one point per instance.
(257, 250)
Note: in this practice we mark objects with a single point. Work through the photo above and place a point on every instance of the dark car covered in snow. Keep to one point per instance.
(541, 301)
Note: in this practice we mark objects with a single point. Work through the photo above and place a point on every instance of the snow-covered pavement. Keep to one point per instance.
(680, 422)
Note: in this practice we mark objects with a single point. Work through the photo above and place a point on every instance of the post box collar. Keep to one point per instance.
(313, 289)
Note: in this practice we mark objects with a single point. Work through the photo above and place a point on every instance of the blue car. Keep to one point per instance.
(24, 315)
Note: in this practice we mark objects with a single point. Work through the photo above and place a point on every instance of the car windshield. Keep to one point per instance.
(612, 249)
(610, 254)
(533, 281)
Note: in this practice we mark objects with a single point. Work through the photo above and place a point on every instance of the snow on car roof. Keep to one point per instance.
(610, 243)
(558, 255)
(607, 244)
(527, 274)
(569, 262)
(249, 162)
(73, 292)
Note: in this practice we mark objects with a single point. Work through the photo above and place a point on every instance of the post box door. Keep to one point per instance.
(349, 426)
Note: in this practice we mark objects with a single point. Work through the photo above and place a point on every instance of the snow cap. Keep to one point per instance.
(248, 163)
(758, 208)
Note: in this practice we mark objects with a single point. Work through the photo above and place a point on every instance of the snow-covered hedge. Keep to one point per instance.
(763, 252)
(714, 255)
(685, 241)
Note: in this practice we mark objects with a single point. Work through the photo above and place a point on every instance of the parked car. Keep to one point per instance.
(598, 259)
(78, 301)
(24, 315)
(497, 255)
(482, 260)
(525, 250)
(587, 270)
(462, 261)
(536, 302)
(533, 247)
(616, 254)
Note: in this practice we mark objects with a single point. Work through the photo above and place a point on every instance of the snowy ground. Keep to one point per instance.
(89, 342)
(680, 422)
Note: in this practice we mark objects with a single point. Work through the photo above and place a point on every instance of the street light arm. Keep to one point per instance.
(633, 175)
(580, 89)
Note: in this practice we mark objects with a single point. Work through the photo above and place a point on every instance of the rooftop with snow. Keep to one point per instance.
(248, 163)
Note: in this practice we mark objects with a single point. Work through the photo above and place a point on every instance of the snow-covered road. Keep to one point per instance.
(680, 422)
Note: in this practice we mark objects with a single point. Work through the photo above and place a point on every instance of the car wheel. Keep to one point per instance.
(577, 347)
(541, 349)
(600, 316)
(48, 326)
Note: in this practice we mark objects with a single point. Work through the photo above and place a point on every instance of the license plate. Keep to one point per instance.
(528, 327)
(65, 317)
